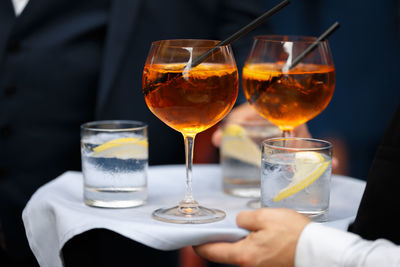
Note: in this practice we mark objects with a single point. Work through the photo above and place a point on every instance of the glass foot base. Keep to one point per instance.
(315, 216)
(114, 197)
(188, 216)
(318, 216)
(254, 204)
(114, 204)
(242, 192)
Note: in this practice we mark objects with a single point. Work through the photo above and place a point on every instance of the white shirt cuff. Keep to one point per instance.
(319, 245)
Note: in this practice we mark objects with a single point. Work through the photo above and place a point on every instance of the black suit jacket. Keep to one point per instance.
(64, 62)
(377, 215)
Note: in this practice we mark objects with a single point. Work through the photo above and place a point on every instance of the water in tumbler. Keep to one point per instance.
(115, 169)
(240, 178)
(241, 162)
(297, 181)
(241, 157)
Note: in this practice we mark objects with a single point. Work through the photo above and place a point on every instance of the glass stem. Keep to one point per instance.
(188, 205)
(286, 133)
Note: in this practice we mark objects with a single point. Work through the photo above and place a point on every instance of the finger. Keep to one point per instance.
(335, 162)
(221, 252)
(217, 137)
(244, 112)
(302, 131)
(252, 220)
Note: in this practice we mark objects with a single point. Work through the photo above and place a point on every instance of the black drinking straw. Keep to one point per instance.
(314, 45)
(240, 33)
(243, 31)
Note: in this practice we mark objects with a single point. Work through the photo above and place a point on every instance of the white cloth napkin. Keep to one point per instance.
(56, 212)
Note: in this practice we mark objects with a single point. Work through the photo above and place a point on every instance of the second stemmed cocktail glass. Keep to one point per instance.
(189, 99)
(284, 95)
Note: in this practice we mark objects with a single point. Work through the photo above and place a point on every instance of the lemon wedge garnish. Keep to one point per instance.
(123, 148)
(238, 145)
(234, 130)
(309, 166)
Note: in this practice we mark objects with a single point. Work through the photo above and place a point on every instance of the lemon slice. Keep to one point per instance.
(122, 148)
(234, 130)
(309, 167)
(237, 145)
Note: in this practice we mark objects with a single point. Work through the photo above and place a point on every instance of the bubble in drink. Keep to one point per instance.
(298, 181)
(115, 169)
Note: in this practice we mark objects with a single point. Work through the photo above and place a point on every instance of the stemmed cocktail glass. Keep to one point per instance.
(285, 95)
(189, 99)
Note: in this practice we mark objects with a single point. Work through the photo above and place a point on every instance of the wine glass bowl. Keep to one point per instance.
(286, 96)
(190, 99)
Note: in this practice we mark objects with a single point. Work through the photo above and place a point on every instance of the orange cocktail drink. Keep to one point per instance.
(290, 98)
(191, 101)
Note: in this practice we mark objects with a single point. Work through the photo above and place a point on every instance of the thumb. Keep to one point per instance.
(221, 252)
